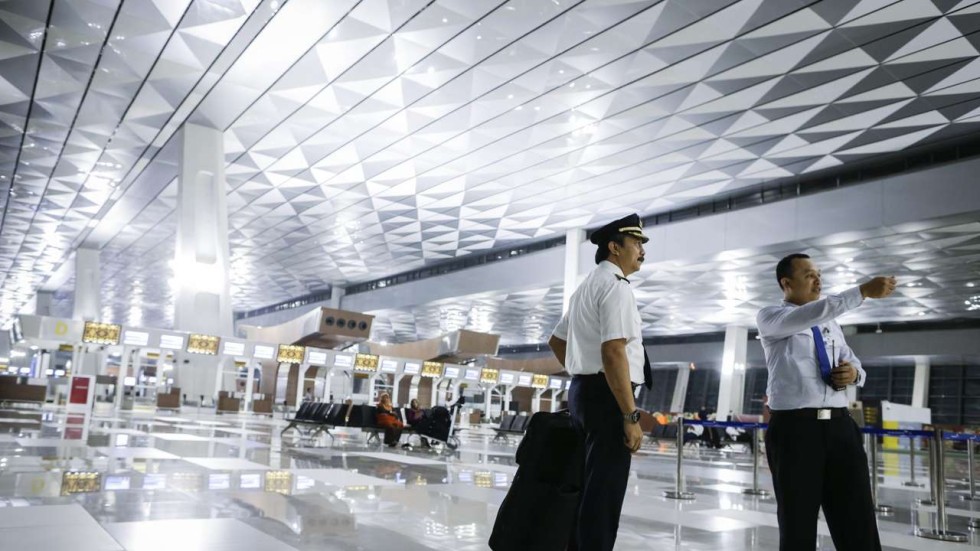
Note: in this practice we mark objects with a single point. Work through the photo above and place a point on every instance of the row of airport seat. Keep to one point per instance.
(322, 416)
(511, 424)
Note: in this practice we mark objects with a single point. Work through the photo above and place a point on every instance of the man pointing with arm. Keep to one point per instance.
(814, 448)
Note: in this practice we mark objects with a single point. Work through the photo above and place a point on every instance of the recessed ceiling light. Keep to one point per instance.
(970, 284)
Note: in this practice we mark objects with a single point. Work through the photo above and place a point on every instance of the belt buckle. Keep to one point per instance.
(823, 414)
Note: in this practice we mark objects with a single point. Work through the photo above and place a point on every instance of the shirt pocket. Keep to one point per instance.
(803, 356)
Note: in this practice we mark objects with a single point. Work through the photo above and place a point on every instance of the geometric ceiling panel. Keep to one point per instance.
(368, 138)
(939, 271)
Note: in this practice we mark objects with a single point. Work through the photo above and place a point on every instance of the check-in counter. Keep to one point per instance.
(227, 404)
(169, 400)
(10, 391)
(262, 406)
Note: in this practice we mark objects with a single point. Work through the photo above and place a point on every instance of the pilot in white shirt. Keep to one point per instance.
(599, 341)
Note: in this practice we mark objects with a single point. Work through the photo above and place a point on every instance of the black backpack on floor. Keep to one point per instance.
(538, 513)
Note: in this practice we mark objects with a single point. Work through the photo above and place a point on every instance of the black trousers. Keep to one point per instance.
(821, 463)
(607, 462)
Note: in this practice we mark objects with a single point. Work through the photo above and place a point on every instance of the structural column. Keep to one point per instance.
(41, 303)
(203, 302)
(87, 305)
(731, 388)
(337, 297)
(573, 244)
(680, 389)
(920, 385)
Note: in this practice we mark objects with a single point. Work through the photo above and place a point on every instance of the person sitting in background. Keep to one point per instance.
(389, 421)
(414, 415)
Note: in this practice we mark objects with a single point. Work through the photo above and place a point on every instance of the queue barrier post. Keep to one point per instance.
(756, 445)
(971, 440)
(931, 500)
(871, 443)
(972, 496)
(937, 473)
(678, 491)
(911, 481)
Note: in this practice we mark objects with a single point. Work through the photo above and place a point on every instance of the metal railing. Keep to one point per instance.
(937, 471)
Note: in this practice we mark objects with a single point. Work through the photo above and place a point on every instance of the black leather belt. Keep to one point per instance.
(599, 375)
(812, 413)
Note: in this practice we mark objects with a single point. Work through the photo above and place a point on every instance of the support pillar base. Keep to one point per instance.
(948, 535)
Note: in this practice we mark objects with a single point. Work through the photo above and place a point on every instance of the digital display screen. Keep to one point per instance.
(451, 372)
(136, 338)
(219, 481)
(251, 481)
(156, 481)
(507, 378)
(234, 348)
(264, 352)
(389, 366)
(472, 375)
(412, 368)
(317, 358)
(304, 482)
(556, 384)
(172, 342)
(524, 380)
(117, 482)
(343, 360)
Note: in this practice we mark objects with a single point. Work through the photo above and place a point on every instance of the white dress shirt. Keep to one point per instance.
(602, 309)
(791, 356)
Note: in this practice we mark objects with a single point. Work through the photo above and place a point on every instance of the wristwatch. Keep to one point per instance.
(632, 417)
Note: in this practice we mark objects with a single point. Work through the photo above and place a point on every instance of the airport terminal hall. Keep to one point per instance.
(489, 275)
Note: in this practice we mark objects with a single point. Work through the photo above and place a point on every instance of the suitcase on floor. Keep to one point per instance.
(538, 513)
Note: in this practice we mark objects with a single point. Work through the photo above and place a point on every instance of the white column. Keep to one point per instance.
(249, 384)
(87, 304)
(396, 391)
(124, 360)
(203, 302)
(40, 305)
(680, 389)
(573, 241)
(301, 383)
(536, 400)
(920, 386)
(337, 297)
(731, 387)
(43, 365)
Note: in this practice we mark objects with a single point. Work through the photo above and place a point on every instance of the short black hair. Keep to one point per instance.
(785, 267)
(602, 252)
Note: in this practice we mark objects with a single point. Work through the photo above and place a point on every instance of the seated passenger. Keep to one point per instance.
(389, 421)
(414, 415)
